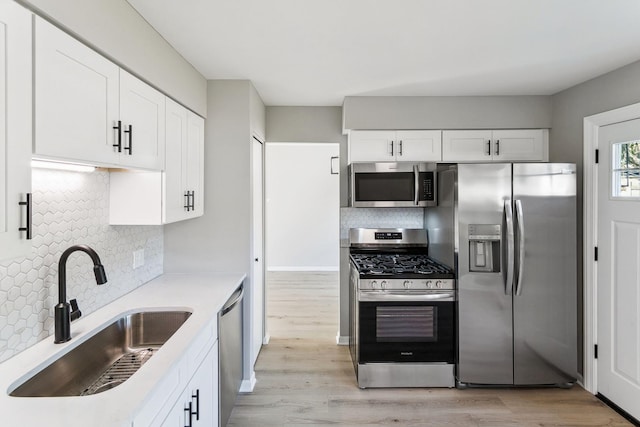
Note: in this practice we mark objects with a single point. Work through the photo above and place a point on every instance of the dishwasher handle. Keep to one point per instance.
(233, 301)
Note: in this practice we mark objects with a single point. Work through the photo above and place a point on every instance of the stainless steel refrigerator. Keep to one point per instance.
(509, 231)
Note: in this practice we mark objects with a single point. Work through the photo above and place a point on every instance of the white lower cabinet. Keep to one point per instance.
(198, 403)
(187, 395)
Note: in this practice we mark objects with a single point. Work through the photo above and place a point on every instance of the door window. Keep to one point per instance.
(625, 169)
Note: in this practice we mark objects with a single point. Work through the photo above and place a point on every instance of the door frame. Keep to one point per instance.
(592, 126)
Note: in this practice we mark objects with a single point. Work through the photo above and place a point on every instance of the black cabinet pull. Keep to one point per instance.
(130, 132)
(488, 147)
(188, 416)
(118, 144)
(197, 397)
(28, 229)
(497, 147)
(190, 201)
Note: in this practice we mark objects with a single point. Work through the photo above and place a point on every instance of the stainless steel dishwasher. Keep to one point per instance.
(230, 354)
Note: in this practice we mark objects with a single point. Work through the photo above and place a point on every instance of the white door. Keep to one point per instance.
(618, 275)
(257, 288)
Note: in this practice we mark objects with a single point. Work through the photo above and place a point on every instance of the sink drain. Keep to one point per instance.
(120, 371)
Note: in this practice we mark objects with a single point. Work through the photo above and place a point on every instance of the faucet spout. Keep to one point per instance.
(63, 313)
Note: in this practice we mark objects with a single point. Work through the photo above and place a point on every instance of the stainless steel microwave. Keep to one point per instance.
(386, 184)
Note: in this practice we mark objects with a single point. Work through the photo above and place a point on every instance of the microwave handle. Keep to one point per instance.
(416, 184)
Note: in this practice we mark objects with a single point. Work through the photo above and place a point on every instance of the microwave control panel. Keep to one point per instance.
(426, 186)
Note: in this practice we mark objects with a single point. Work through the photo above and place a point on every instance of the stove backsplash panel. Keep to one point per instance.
(378, 218)
(70, 208)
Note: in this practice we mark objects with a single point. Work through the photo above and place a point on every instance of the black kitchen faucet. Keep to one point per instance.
(65, 312)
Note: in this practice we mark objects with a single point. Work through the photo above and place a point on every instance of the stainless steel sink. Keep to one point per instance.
(107, 358)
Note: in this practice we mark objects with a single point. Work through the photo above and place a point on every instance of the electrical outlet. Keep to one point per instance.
(138, 258)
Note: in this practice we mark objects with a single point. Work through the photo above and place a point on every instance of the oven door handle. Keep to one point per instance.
(378, 296)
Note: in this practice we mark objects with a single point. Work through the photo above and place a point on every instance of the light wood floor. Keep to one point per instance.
(305, 379)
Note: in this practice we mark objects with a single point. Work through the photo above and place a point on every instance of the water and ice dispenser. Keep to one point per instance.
(484, 248)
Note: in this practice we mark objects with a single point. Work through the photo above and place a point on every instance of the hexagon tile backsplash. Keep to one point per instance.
(70, 208)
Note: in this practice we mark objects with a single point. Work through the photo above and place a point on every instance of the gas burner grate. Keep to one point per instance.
(121, 370)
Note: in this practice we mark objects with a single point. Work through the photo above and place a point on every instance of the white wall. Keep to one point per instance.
(221, 239)
(302, 207)
(114, 28)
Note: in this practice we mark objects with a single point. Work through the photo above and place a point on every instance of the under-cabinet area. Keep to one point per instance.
(177, 386)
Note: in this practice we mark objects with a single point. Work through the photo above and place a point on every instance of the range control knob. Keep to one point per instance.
(374, 283)
(438, 283)
(383, 285)
(406, 284)
(429, 284)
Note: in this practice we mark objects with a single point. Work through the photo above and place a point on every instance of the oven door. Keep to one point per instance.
(407, 331)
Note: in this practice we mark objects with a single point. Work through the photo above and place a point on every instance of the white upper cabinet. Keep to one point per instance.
(395, 146)
(89, 110)
(495, 145)
(147, 198)
(184, 172)
(76, 98)
(15, 129)
(141, 130)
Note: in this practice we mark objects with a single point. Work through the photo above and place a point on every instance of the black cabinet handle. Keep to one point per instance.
(197, 397)
(188, 416)
(130, 132)
(28, 229)
(488, 147)
(190, 201)
(497, 147)
(118, 144)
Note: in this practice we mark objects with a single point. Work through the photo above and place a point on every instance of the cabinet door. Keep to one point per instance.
(76, 98)
(142, 114)
(195, 163)
(419, 146)
(198, 405)
(372, 146)
(519, 145)
(466, 146)
(15, 126)
(174, 177)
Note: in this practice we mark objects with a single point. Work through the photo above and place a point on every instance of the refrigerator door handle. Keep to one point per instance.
(508, 277)
(520, 221)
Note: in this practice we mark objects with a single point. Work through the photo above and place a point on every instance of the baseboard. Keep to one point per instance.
(619, 410)
(305, 268)
(342, 339)
(266, 339)
(247, 385)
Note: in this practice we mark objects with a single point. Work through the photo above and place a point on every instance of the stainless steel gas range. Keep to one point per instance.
(402, 310)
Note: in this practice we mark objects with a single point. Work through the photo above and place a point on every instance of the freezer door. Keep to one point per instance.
(545, 303)
(485, 349)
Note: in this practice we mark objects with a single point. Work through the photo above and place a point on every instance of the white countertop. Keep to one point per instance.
(202, 294)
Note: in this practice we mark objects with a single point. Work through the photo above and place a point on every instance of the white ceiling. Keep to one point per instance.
(316, 52)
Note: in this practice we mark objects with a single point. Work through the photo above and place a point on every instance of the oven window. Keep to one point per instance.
(406, 324)
(393, 187)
